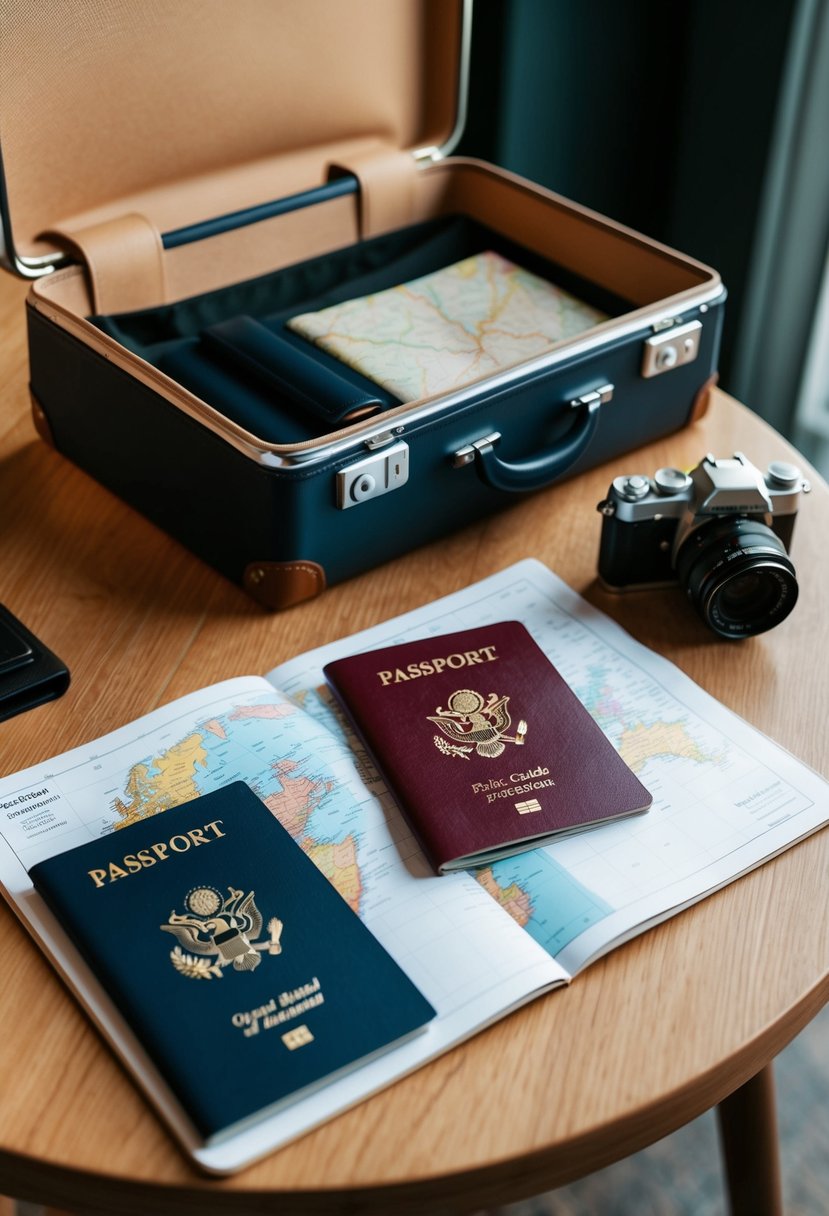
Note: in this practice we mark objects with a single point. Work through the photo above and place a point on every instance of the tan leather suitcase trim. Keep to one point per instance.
(41, 422)
(280, 585)
(702, 401)
(124, 259)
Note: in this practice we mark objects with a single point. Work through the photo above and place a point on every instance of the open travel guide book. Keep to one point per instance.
(476, 944)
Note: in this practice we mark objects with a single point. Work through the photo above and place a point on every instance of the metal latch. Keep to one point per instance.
(373, 476)
(670, 348)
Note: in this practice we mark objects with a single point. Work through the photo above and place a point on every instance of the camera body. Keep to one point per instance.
(722, 531)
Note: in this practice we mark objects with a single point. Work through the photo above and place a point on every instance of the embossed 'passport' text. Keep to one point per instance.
(163, 850)
(433, 667)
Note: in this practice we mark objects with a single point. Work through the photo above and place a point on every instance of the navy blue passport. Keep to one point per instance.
(246, 976)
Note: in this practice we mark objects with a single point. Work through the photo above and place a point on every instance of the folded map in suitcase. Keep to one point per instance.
(249, 244)
(447, 329)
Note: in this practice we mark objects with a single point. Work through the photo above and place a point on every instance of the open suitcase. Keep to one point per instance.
(168, 171)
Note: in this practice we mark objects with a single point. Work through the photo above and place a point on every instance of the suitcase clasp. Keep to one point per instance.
(673, 346)
(373, 476)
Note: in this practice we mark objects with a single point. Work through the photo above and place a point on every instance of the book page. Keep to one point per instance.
(468, 959)
(726, 797)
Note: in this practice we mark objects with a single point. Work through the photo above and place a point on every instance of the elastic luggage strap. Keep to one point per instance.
(387, 180)
(124, 260)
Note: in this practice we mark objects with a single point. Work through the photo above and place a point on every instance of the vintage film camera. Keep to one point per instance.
(721, 531)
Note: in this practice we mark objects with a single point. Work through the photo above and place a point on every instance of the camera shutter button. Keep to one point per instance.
(783, 474)
(671, 481)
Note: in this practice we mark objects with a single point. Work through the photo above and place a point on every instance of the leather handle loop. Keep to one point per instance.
(387, 187)
(124, 262)
(523, 476)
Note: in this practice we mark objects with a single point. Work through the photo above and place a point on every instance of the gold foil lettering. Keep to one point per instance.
(285, 1008)
(432, 667)
(134, 863)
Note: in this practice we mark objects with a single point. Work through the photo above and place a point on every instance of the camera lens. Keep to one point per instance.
(738, 576)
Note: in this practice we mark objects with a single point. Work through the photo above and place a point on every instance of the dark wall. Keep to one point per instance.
(657, 114)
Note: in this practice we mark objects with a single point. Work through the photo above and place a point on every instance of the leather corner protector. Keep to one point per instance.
(280, 585)
(41, 422)
(702, 401)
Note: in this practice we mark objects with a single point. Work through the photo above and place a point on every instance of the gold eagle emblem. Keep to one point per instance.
(218, 931)
(475, 723)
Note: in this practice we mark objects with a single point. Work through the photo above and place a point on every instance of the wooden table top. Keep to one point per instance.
(646, 1039)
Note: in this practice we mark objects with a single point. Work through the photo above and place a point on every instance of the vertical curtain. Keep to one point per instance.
(811, 416)
(792, 234)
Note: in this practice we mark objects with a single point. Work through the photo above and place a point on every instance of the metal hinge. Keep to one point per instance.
(599, 396)
(466, 455)
(383, 439)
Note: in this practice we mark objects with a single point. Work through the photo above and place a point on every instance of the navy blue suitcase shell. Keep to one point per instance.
(293, 535)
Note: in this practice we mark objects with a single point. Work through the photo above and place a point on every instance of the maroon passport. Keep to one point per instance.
(483, 744)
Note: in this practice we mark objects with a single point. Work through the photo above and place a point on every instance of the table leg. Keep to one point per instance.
(748, 1136)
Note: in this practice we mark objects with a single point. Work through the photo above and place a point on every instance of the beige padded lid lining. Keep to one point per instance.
(182, 111)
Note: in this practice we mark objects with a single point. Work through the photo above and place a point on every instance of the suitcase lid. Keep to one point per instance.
(183, 112)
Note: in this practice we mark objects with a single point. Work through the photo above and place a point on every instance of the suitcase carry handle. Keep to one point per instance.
(539, 471)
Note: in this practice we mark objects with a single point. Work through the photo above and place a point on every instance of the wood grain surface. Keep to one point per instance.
(649, 1037)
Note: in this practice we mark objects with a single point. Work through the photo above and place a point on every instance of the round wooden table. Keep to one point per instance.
(645, 1040)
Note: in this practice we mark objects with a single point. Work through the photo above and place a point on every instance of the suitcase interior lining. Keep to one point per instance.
(168, 336)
